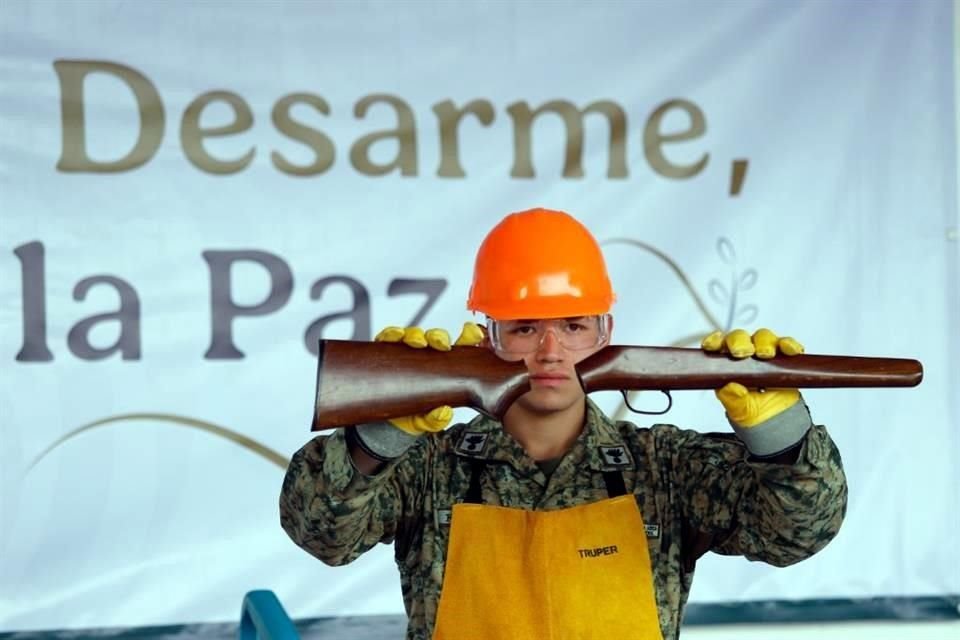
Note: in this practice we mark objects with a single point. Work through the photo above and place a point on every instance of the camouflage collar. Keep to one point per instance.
(605, 449)
(600, 445)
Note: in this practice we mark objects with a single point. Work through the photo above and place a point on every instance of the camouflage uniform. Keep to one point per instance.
(696, 491)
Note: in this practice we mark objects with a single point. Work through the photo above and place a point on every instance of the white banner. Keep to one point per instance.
(192, 193)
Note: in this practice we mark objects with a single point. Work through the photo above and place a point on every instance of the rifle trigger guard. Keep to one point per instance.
(626, 401)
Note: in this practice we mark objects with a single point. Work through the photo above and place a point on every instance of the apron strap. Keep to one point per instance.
(614, 482)
(473, 492)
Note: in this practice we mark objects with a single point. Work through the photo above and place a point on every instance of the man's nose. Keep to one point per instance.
(550, 349)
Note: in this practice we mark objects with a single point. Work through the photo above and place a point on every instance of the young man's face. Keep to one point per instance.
(551, 349)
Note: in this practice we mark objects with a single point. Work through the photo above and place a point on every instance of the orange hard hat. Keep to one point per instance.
(540, 263)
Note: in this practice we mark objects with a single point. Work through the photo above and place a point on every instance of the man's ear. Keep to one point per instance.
(485, 343)
(609, 330)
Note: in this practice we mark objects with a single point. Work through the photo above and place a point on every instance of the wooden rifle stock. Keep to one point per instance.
(370, 381)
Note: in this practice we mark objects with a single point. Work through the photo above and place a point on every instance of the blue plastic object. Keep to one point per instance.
(262, 616)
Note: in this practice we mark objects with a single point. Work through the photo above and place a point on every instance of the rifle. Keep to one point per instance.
(361, 382)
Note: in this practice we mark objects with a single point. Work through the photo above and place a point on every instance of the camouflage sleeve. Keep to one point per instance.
(776, 513)
(336, 513)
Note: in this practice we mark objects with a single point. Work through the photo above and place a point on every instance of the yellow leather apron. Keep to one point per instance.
(573, 574)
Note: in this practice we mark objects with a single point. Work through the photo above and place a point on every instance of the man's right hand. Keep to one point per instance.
(374, 444)
(437, 419)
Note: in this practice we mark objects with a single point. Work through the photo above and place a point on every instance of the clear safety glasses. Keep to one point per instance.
(520, 337)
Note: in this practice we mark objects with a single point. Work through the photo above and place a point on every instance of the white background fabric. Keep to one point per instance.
(844, 234)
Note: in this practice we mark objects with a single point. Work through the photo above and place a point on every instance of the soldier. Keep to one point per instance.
(559, 522)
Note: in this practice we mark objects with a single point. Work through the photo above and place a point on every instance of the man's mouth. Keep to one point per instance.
(548, 379)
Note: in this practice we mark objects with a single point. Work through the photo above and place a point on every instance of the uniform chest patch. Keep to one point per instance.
(617, 457)
(472, 443)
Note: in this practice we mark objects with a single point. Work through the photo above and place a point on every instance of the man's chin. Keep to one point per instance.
(547, 401)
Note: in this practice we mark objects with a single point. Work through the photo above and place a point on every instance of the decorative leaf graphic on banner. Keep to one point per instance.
(739, 281)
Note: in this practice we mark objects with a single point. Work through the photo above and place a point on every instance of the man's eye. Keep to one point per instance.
(523, 330)
(576, 327)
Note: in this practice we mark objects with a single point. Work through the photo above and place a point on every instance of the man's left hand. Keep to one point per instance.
(750, 407)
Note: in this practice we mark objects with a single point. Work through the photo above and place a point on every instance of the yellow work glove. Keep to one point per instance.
(438, 418)
(750, 407)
